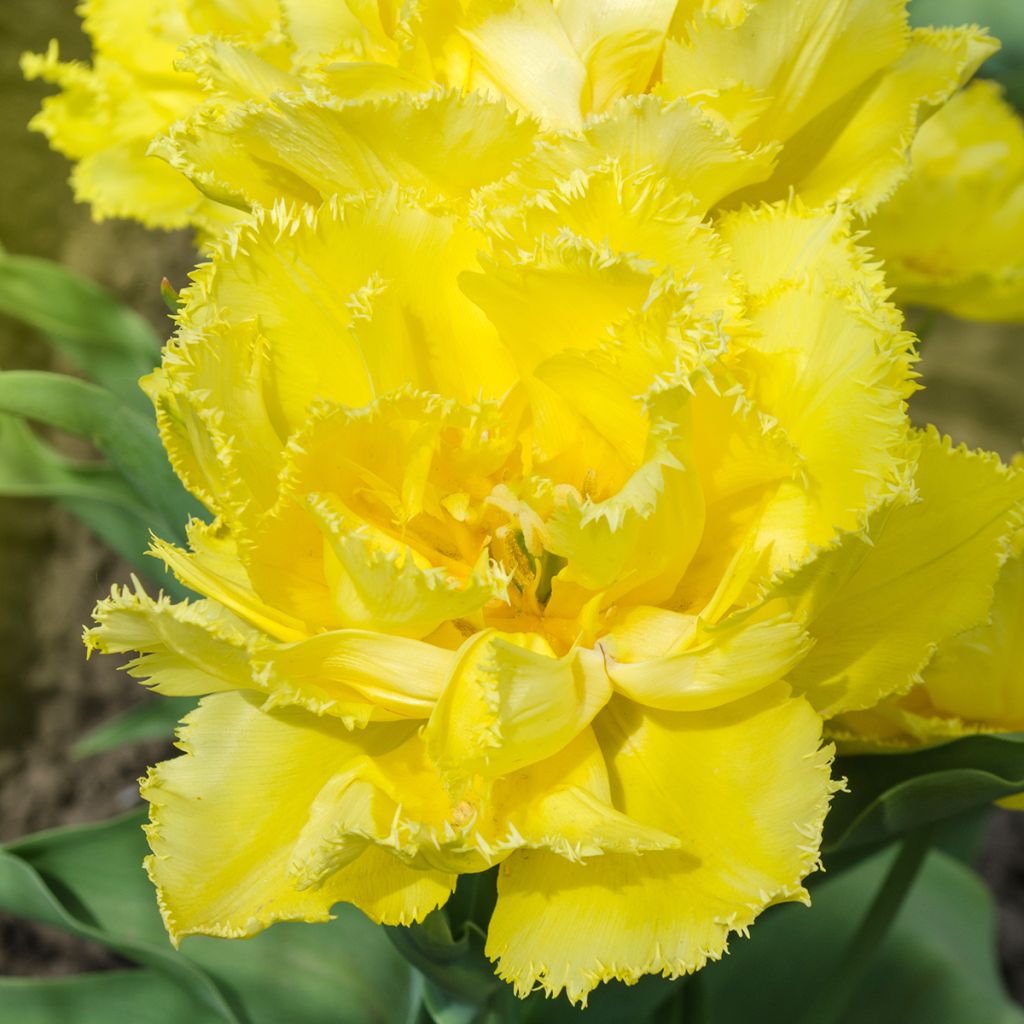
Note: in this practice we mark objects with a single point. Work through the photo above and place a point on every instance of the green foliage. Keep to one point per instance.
(133, 490)
(142, 997)
(128, 439)
(893, 794)
(153, 719)
(105, 340)
(936, 966)
(90, 881)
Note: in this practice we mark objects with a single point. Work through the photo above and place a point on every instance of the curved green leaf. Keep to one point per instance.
(94, 493)
(127, 438)
(153, 718)
(142, 997)
(107, 341)
(90, 881)
(937, 965)
(892, 794)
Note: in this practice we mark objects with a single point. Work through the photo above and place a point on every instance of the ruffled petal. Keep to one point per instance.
(185, 649)
(712, 666)
(213, 567)
(973, 684)
(304, 148)
(744, 788)
(673, 141)
(869, 155)
(920, 571)
(509, 702)
(356, 675)
(521, 52)
(785, 63)
(307, 280)
(824, 353)
(245, 786)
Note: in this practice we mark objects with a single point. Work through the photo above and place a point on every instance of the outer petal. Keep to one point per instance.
(978, 676)
(203, 391)
(620, 42)
(634, 213)
(520, 51)
(245, 786)
(307, 281)
(564, 804)
(356, 672)
(870, 155)
(185, 649)
(825, 354)
(786, 63)
(879, 602)
(744, 787)
(213, 567)
(305, 148)
(672, 141)
(975, 682)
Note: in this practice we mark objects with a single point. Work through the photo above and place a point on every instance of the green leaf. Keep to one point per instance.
(892, 794)
(937, 965)
(609, 1003)
(127, 438)
(94, 493)
(90, 881)
(141, 997)
(153, 718)
(104, 339)
(29, 468)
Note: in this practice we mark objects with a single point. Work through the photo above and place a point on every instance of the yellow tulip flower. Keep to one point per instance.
(549, 525)
(824, 97)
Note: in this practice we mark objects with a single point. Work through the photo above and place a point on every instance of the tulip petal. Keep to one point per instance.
(245, 787)
(921, 571)
(748, 821)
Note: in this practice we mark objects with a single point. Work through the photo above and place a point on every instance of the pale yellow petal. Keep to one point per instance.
(245, 785)
(305, 148)
(509, 702)
(869, 155)
(713, 666)
(355, 674)
(790, 61)
(744, 788)
(213, 567)
(880, 601)
(185, 649)
(950, 236)
(520, 51)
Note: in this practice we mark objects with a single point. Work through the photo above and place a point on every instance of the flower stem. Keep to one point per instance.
(833, 999)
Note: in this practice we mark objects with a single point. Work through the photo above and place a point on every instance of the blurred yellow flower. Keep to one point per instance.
(547, 531)
(951, 236)
(823, 97)
(140, 83)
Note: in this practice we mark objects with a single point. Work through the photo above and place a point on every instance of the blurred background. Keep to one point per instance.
(52, 570)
